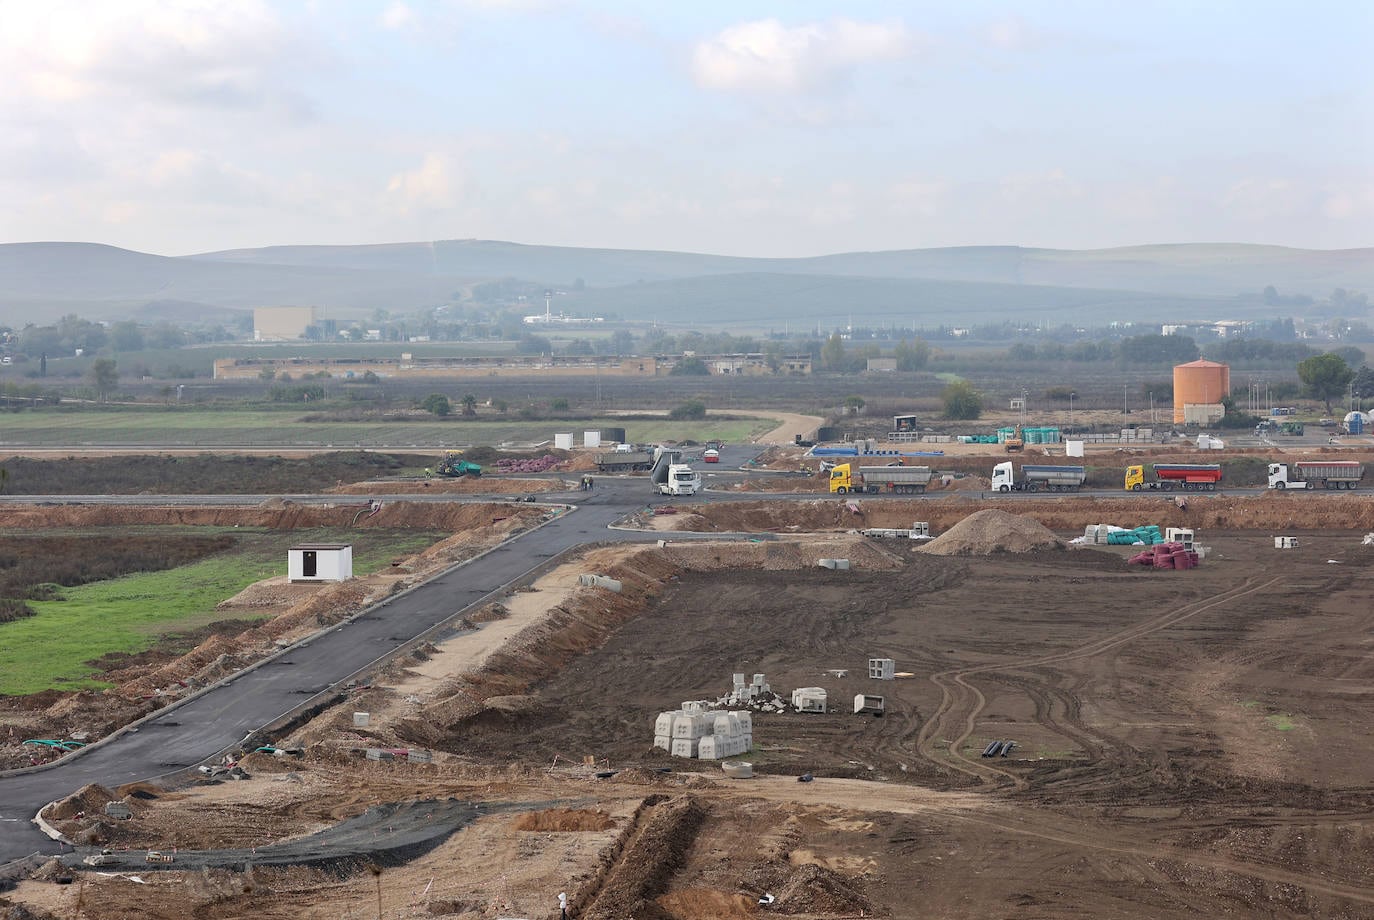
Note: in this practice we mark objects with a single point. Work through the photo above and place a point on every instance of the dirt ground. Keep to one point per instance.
(1188, 743)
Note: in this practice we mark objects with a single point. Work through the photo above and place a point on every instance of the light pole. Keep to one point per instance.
(1072, 394)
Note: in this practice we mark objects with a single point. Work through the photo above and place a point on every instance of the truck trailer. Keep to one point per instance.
(1189, 477)
(1036, 478)
(903, 480)
(1321, 474)
(619, 461)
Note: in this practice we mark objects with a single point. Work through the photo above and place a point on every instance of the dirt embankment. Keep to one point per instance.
(484, 485)
(1271, 511)
(275, 514)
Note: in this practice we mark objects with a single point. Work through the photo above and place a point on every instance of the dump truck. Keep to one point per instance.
(1189, 477)
(453, 464)
(1322, 474)
(619, 461)
(875, 479)
(1037, 478)
(681, 480)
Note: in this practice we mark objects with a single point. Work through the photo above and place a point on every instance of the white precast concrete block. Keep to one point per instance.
(664, 742)
(684, 747)
(827, 563)
(809, 699)
(747, 741)
(707, 749)
(663, 725)
(746, 722)
(695, 707)
(360, 719)
(688, 726)
(881, 668)
(759, 681)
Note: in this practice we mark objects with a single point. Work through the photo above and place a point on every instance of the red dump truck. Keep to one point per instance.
(1190, 477)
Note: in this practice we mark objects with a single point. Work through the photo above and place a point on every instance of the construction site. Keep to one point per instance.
(989, 715)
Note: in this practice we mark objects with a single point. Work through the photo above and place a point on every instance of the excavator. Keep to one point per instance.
(1016, 443)
(454, 465)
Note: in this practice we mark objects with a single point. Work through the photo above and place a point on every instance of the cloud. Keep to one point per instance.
(1012, 33)
(397, 16)
(216, 53)
(429, 187)
(769, 57)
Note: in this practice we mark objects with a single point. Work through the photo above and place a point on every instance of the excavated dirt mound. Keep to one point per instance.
(87, 799)
(816, 890)
(782, 554)
(276, 514)
(993, 531)
(465, 486)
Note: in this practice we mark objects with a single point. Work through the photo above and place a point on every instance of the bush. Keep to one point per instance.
(695, 409)
(962, 401)
(436, 404)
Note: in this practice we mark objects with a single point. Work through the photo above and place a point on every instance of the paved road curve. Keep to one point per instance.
(221, 717)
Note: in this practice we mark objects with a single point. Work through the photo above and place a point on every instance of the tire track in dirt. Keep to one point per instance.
(1053, 827)
(961, 702)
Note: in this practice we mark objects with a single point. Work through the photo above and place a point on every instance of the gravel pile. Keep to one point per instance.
(992, 531)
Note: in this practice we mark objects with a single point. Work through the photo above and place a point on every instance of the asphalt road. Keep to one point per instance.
(221, 717)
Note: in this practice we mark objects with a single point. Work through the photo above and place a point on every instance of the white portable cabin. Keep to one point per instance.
(308, 563)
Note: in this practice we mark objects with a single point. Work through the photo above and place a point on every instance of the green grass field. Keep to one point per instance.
(262, 428)
(52, 649)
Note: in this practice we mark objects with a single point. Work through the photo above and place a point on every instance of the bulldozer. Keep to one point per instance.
(454, 465)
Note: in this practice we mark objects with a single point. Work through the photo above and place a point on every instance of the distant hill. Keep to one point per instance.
(41, 281)
(802, 302)
(959, 286)
(1192, 269)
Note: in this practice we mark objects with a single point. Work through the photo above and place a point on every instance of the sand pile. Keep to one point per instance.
(993, 531)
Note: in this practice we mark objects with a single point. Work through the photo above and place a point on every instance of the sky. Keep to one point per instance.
(741, 128)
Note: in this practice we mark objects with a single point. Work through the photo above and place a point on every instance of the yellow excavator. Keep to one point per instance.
(1016, 443)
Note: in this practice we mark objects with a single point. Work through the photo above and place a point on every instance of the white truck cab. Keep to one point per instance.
(1003, 477)
(682, 480)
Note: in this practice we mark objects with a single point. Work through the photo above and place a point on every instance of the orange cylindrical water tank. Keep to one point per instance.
(1199, 383)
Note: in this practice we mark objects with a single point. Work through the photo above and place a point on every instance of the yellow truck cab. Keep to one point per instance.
(1135, 478)
(841, 480)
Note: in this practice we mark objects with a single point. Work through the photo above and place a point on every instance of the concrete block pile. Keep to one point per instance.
(697, 731)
